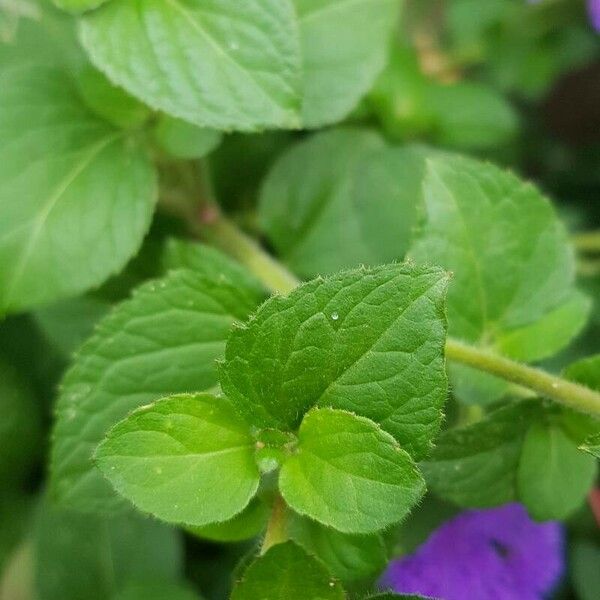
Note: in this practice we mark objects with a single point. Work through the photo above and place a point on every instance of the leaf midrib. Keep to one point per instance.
(481, 292)
(49, 205)
(188, 455)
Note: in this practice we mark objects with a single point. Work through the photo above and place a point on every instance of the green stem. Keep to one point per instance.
(566, 392)
(277, 526)
(587, 241)
(223, 234)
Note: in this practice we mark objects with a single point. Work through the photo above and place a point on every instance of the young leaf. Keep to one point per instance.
(554, 476)
(215, 63)
(285, 572)
(184, 140)
(343, 48)
(163, 341)
(76, 198)
(185, 459)
(366, 341)
(83, 556)
(350, 558)
(323, 213)
(512, 264)
(349, 474)
(476, 466)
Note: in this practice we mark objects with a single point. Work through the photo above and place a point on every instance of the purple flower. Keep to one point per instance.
(594, 12)
(497, 554)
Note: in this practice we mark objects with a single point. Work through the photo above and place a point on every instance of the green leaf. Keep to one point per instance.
(476, 466)
(154, 591)
(343, 48)
(68, 323)
(587, 434)
(80, 556)
(463, 114)
(586, 372)
(287, 572)
(513, 267)
(110, 102)
(592, 445)
(182, 254)
(253, 156)
(470, 115)
(77, 197)
(399, 97)
(350, 558)
(32, 31)
(77, 6)
(248, 524)
(523, 451)
(469, 21)
(553, 477)
(186, 459)
(20, 426)
(341, 199)
(366, 341)
(184, 140)
(548, 334)
(475, 387)
(264, 63)
(163, 341)
(215, 63)
(349, 474)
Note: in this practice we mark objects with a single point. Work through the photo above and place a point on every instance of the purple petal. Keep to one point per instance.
(497, 554)
(594, 12)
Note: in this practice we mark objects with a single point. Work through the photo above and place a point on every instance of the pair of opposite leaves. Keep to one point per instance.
(355, 361)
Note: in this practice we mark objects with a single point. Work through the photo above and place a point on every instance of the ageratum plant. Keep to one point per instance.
(290, 310)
